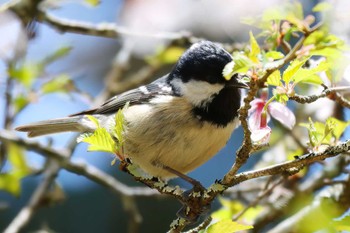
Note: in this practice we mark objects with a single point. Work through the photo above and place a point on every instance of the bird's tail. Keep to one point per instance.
(53, 126)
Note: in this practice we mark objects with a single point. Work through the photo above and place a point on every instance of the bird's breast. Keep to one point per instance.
(165, 132)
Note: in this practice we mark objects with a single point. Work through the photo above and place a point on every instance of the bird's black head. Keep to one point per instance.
(203, 61)
(198, 77)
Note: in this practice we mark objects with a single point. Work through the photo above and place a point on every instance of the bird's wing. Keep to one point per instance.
(134, 96)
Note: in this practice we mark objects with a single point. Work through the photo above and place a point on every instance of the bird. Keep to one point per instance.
(173, 124)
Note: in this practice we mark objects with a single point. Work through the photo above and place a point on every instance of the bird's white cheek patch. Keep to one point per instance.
(197, 92)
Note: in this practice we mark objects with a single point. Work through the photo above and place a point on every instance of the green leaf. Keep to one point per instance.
(94, 120)
(10, 183)
(19, 102)
(274, 55)
(228, 70)
(221, 214)
(275, 78)
(26, 72)
(227, 226)
(59, 53)
(92, 2)
(322, 6)
(292, 69)
(309, 75)
(61, 83)
(17, 160)
(339, 126)
(241, 63)
(168, 55)
(325, 133)
(119, 125)
(100, 140)
(316, 132)
(254, 48)
(252, 213)
(343, 224)
(282, 98)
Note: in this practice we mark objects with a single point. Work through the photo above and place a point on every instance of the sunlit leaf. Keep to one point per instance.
(168, 55)
(61, 83)
(10, 183)
(308, 75)
(275, 78)
(254, 48)
(17, 160)
(26, 72)
(119, 125)
(292, 69)
(322, 6)
(281, 98)
(92, 2)
(234, 205)
(19, 102)
(221, 214)
(324, 133)
(274, 55)
(59, 53)
(100, 140)
(227, 226)
(228, 70)
(339, 126)
(315, 132)
(251, 214)
(242, 63)
(94, 120)
(343, 224)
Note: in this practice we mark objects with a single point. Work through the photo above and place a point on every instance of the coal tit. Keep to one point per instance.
(178, 121)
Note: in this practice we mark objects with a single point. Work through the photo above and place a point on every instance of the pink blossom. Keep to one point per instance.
(259, 118)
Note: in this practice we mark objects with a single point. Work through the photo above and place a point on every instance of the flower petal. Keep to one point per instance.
(261, 136)
(256, 103)
(281, 113)
(255, 119)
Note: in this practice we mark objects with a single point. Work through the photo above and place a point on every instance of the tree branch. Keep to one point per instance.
(78, 168)
(295, 165)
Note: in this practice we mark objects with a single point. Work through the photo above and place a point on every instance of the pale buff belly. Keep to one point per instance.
(170, 137)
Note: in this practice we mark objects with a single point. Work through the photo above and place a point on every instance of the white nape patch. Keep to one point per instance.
(161, 99)
(144, 90)
(165, 88)
(197, 92)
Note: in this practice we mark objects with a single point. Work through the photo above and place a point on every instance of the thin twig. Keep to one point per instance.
(328, 92)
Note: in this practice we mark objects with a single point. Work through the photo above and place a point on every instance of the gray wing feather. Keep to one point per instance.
(135, 96)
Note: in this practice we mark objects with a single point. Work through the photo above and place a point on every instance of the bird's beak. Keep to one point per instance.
(240, 85)
(238, 81)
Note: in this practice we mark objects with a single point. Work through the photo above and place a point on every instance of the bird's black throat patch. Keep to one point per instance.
(223, 108)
